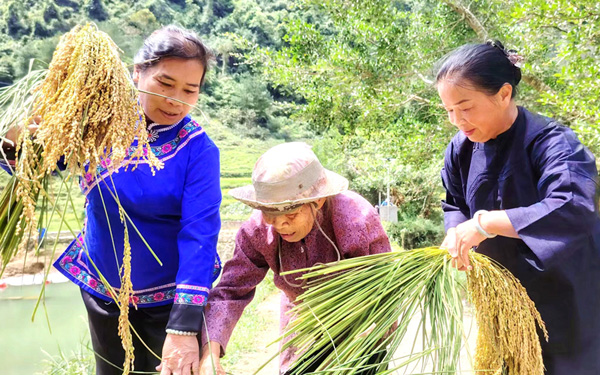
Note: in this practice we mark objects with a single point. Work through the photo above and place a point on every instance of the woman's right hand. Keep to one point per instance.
(210, 363)
(13, 132)
(449, 244)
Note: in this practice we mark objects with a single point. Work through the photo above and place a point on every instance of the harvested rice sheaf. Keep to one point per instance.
(507, 341)
(350, 308)
(89, 115)
(89, 106)
(123, 298)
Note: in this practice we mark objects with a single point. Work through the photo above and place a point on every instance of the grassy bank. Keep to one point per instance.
(251, 324)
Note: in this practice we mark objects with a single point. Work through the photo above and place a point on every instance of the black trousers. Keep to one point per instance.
(150, 323)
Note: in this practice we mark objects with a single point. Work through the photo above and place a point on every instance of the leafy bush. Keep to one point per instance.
(416, 232)
(370, 163)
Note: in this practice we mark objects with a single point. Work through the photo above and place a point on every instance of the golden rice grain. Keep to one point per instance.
(507, 341)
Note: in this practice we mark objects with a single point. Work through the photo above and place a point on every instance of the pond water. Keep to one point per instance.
(23, 342)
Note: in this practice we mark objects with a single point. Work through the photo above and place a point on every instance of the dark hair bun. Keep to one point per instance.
(488, 66)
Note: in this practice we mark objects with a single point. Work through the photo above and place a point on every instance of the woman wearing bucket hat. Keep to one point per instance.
(304, 215)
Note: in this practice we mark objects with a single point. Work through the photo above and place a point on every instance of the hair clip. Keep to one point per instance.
(515, 58)
(512, 55)
(496, 44)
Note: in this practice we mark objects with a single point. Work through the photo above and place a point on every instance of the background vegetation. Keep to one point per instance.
(352, 77)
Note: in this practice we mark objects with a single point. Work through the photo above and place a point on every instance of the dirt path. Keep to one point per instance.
(251, 361)
(28, 263)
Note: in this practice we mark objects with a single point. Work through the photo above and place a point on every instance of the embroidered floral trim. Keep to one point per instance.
(172, 285)
(190, 299)
(190, 129)
(152, 298)
(193, 287)
(78, 272)
(11, 163)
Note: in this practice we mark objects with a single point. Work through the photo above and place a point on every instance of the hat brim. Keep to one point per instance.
(247, 195)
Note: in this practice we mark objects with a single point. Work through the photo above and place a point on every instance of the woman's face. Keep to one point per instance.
(294, 226)
(173, 77)
(478, 115)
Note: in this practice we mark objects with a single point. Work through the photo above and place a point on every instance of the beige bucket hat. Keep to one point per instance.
(286, 177)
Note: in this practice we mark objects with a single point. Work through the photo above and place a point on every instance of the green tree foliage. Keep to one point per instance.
(358, 74)
(67, 3)
(363, 64)
(50, 13)
(561, 41)
(96, 10)
(364, 71)
(143, 20)
(30, 29)
(13, 18)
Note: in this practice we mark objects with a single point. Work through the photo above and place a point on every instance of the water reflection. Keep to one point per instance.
(23, 342)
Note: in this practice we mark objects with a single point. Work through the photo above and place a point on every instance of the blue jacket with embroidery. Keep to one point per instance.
(176, 212)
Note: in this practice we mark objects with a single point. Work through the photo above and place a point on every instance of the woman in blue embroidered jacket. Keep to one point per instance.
(176, 211)
(522, 189)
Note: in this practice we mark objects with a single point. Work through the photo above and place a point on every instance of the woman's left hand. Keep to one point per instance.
(466, 237)
(180, 356)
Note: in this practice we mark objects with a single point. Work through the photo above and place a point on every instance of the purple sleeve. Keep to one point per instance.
(227, 301)
(454, 206)
(563, 220)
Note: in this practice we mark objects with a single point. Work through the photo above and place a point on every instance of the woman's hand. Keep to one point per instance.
(459, 242)
(449, 242)
(210, 363)
(12, 135)
(180, 356)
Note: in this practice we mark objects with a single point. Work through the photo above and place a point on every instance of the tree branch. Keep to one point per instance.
(482, 33)
(470, 18)
(536, 83)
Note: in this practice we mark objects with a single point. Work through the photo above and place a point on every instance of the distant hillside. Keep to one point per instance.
(30, 29)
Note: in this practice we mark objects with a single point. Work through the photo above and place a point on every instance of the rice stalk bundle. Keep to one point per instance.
(349, 311)
(15, 101)
(123, 298)
(10, 215)
(361, 307)
(89, 106)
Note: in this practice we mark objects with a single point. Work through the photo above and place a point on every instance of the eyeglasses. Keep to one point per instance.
(273, 215)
